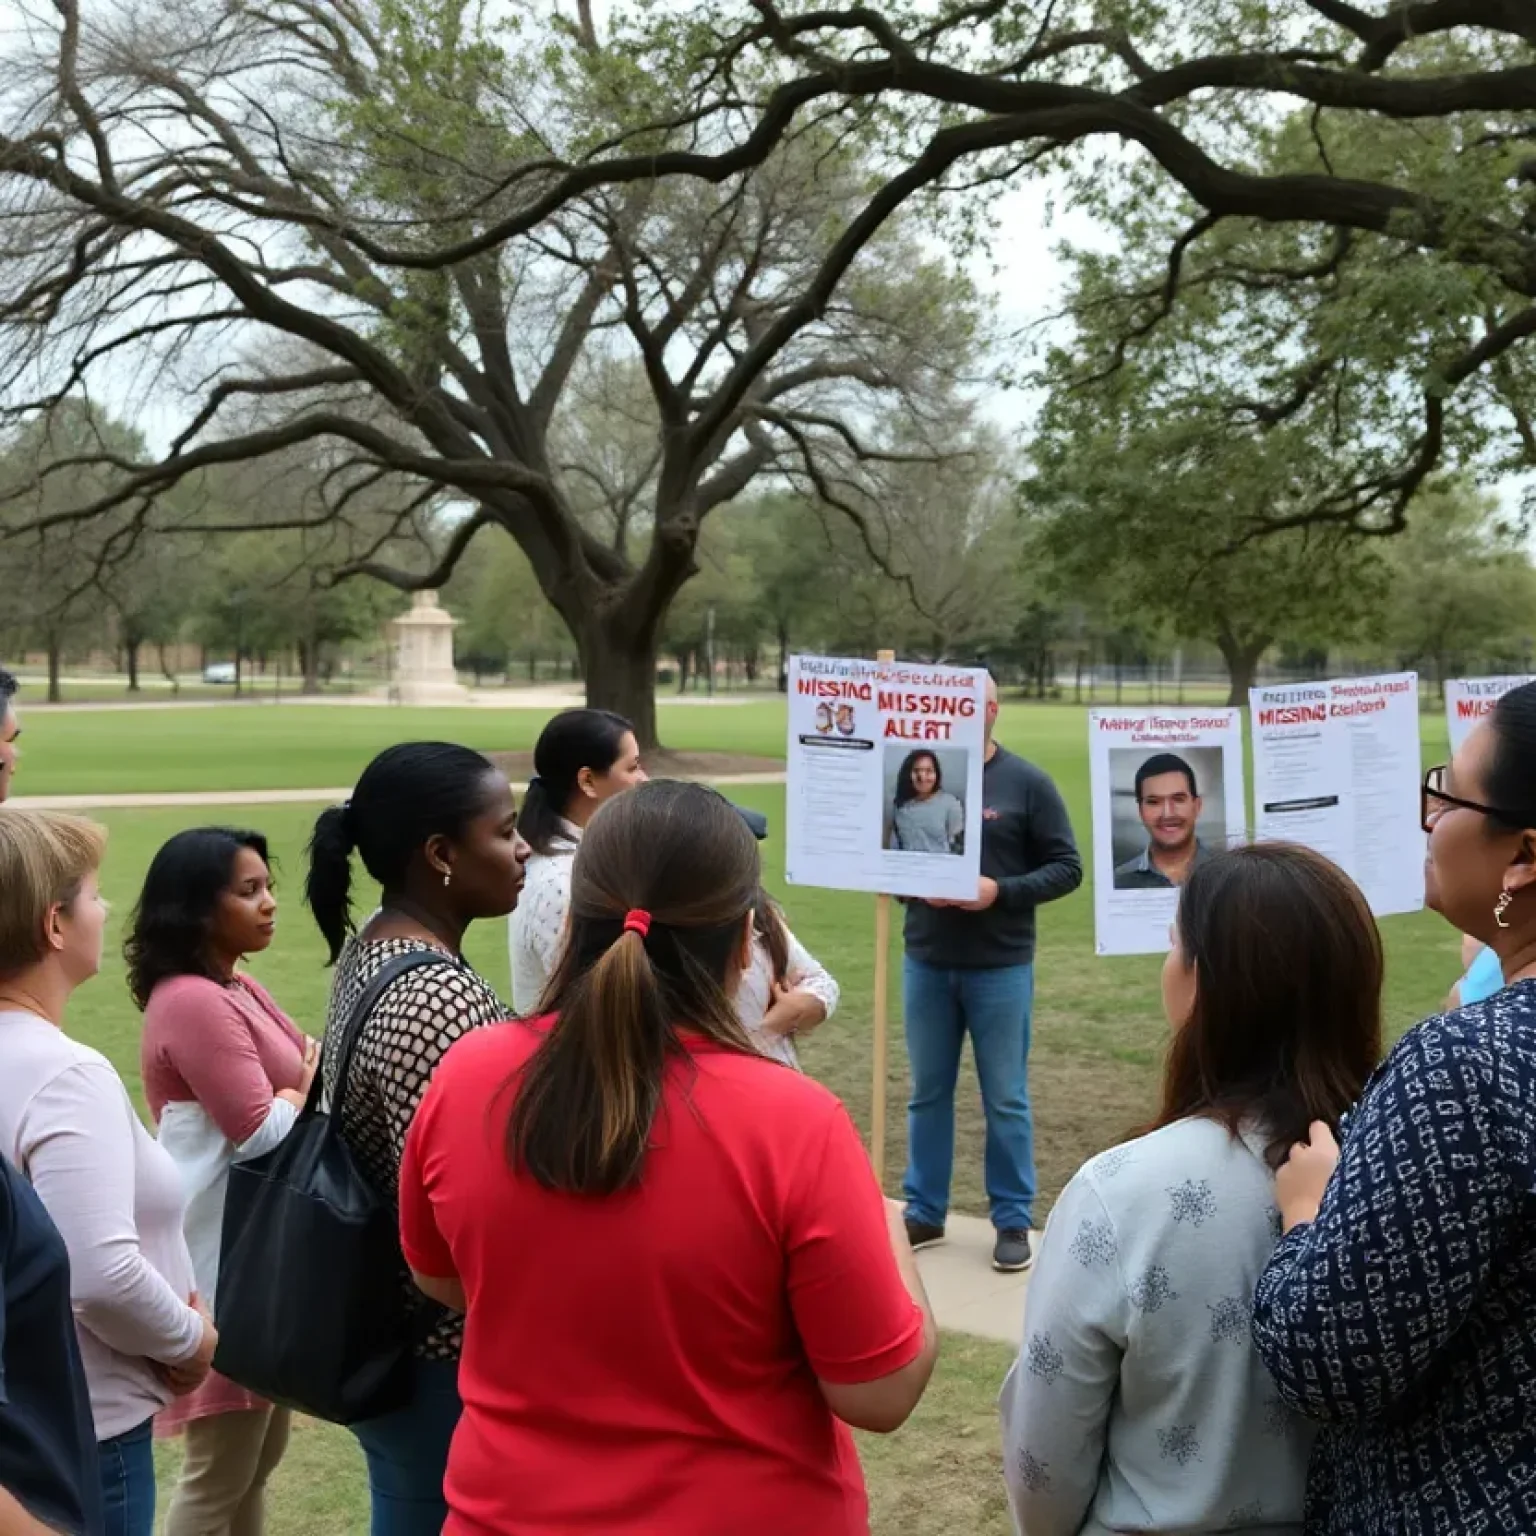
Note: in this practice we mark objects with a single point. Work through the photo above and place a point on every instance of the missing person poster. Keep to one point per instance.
(1336, 766)
(884, 790)
(1167, 788)
(1470, 699)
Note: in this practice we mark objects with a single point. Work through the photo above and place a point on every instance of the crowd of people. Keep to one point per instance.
(648, 1277)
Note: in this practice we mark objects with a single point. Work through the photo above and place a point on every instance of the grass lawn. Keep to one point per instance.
(1098, 1028)
(304, 746)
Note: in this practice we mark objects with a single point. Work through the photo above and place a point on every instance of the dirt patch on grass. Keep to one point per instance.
(518, 766)
(943, 1474)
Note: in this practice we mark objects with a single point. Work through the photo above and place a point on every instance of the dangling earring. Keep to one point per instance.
(1501, 906)
(447, 878)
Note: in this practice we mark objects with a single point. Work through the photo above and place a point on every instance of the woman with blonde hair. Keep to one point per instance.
(112, 1191)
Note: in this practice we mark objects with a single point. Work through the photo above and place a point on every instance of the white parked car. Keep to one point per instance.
(220, 673)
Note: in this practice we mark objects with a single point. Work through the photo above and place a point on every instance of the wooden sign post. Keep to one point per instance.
(882, 1012)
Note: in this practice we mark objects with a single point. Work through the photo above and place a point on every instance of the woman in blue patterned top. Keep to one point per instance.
(1399, 1310)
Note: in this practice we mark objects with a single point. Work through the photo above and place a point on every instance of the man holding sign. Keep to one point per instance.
(970, 969)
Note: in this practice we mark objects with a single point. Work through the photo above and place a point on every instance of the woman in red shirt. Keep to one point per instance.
(681, 1281)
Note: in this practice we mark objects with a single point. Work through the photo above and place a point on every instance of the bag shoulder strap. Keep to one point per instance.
(387, 975)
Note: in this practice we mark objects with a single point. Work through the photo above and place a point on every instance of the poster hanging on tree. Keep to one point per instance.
(1167, 790)
(1470, 699)
(884, 782)
(1336, 767)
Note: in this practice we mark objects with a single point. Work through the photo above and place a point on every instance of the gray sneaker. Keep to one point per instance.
(1012, 1253)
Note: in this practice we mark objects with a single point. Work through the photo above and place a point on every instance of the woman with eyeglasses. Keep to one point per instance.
(1399, 1310)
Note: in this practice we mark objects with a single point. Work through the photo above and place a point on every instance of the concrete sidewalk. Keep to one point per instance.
(262, 796)
(968, 1295)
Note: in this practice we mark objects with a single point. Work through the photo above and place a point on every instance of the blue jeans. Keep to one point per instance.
(127, 1463)
(407, 1453)
(994, 1006)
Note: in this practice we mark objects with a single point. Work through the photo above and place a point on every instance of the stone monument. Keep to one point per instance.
(423, 641)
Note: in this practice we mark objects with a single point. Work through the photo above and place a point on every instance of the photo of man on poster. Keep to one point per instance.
(1169, 804)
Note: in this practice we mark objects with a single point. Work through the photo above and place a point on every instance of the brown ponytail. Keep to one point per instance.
(585, 1102)
(772, 932)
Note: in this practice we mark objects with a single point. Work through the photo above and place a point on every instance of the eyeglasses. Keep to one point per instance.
(1434, 802)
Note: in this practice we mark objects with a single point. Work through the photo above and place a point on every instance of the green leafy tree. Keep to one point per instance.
(1463, 593)
(1143, 485)
(797, 567)
(505, 621)
(54, 563)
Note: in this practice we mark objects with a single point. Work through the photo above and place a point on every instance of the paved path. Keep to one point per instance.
(968, 1295)
(261, 796)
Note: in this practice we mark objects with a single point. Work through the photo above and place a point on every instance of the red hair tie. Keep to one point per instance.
(637, 921)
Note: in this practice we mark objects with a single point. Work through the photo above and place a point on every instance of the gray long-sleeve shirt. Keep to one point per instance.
(1028, 848)
(1138, 1401)
(935, 825)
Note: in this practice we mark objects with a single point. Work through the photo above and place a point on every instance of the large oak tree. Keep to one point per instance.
(392, 188)
(286, 223)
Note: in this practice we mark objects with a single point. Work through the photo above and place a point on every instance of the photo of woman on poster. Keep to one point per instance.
(925, 817)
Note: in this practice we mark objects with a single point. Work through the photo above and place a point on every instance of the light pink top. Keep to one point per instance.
(221, 1053)
(116, 1197)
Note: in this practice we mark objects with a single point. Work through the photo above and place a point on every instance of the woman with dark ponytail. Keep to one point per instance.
(681, 1279)
(436, 827)
(583, 757)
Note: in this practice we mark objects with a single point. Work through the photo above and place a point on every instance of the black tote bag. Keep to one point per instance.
(310, 1309)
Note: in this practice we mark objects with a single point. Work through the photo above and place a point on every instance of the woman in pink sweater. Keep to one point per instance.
(225, 1073)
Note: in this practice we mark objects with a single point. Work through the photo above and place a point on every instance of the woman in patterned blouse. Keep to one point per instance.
(1138, 1401)
(1400, 1308)
(436, 827)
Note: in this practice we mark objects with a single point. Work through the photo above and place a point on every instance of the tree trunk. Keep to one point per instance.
(309, 664)
(783, 657)
(621, 677)
(309, 654)
(169, 675)
(55, 659)
(131, 650)
(1242, 658)
(533, 667)
(684, 667)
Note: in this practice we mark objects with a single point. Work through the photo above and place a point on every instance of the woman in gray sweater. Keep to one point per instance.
(926, 817)
(1138, 1401)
